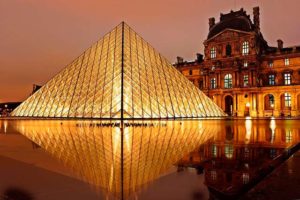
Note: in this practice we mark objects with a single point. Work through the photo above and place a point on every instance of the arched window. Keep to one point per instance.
(213, 53)
(228, 50)
(228, 81)
(245, 46)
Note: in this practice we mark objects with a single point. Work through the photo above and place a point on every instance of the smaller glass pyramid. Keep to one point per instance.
(119, 77)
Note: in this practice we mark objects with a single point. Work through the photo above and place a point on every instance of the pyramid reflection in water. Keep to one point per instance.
(120, 76)
(121, 158)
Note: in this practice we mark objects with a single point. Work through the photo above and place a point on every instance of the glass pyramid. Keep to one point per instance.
(121, 76)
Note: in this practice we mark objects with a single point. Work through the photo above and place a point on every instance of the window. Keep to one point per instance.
(246, 152)
(287, 79)
(213, 175)
(201, 84)
(191, 72)
(287, 100)
(245, 178)
(271, 79)
(213, 83)
(213, 68)
(228, 81)
(273, 153)
(271, 100)
(214, 150)
(270, 64)
(245, 50)
(228, 151)
(246, 80)
(286, 62)
(213, 53)
(228, 50)
(245, 64)
(288, 136)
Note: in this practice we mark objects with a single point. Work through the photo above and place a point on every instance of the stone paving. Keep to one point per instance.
(283, 183)
(35, 183)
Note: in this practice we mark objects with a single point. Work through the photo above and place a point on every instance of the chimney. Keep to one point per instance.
(211, 22)
(279, 44)
(256, 17)
(199, 57)
(179, 60)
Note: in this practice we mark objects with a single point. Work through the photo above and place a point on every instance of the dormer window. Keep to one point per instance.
(228, 50)
(286, 61)
(213, 53)
(245, 48)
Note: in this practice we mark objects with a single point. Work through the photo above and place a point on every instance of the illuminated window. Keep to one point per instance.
(271, 79)
(246, 80)
(287, 100)
(213, 53)
(245, 50)
(228, 81)
(213, 175)
(214, 150)
(287, 79)
(246, 152)
(229, 151)
(213, 83)
(271, 64)
(245, 64)
(288, 136)
(245, 178)
(286, 61)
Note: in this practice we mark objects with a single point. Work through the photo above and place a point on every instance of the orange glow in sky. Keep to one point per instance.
(39, 38)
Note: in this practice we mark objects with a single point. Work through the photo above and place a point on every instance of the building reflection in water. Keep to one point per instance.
(241, 154)
(120, 158)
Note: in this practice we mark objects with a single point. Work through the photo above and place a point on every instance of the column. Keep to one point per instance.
(253, 112)
(277, 109)
(260, 105)
(294, 105)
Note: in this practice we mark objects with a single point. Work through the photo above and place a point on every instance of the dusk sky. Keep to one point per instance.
(40, 37)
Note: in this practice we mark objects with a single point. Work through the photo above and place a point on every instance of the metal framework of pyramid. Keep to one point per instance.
(121, 76)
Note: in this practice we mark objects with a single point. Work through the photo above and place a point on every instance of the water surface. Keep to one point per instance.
(197, 159)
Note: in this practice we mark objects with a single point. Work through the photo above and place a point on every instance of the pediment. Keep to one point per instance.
(228, 34)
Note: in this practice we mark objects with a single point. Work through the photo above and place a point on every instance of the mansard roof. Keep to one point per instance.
(237, 20)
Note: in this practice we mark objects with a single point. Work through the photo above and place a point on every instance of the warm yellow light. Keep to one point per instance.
(120, 75)
(247, 104)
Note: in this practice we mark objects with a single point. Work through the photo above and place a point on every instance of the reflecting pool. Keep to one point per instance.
(190, 159)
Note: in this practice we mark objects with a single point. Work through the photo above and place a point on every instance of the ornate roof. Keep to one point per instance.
(237, 20)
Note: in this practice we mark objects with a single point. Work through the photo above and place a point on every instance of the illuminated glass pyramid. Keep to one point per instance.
(120, 76)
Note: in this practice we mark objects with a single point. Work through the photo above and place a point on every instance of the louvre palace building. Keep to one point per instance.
(241, 73)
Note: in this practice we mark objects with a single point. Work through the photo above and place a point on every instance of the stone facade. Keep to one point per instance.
(242, 73)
